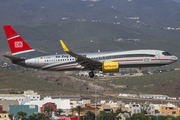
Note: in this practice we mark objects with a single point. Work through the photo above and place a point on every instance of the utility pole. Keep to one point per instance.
(95, 104)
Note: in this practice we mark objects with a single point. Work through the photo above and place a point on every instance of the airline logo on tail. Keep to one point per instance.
(16, 43)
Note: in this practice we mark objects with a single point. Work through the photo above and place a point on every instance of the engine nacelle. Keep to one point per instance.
(110, 67)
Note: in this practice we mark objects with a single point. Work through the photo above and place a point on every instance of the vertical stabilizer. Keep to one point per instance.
(16, 43)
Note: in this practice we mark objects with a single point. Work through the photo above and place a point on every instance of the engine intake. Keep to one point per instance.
(110, 67)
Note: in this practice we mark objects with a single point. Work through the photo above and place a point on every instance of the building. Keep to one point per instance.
(32, 95)
(29, 109)
(149, 108)
(71, 97)
(106, 108)
(161, 97)
(84, 101)
(133, 108)
(86, 108)
(18, 97)
(28, 95)
(4, 116)
(102, 102)
(1, 108)
(63, 104)
(168, 109)
(123, 116)
(5, 104)
(52, 106)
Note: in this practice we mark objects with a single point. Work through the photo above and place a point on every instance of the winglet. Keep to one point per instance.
(64, 47)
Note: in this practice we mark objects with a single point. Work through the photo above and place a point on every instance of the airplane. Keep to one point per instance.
(107, 62)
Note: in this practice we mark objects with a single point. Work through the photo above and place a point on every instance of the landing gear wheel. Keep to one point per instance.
(91, 74)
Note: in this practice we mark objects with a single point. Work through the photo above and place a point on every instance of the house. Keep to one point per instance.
(5, 104)
(106, 108)
(123, 116)
(168, 109)
(149, 108)
(4, 116)
(102, 102)
(120, 103)
(86, 108)
(52, 106)
(1, 108)
(32, 95)
(133, 108)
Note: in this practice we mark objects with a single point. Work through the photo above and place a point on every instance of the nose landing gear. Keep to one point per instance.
(91, 74)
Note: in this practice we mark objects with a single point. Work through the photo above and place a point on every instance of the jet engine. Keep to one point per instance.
(110, 67)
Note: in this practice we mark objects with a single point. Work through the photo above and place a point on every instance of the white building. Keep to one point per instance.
(18, 97)
(161, 97)
(133, 108)
(123, 95)
(28, 95)
(32, 95)
(63, 104)
(102, 102)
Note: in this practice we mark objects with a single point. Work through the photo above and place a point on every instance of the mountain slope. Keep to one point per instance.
(150, 14)
(163, 83)
(17, 81)
(56, 83)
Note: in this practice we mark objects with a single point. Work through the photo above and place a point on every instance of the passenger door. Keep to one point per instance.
(36, 61)
(157, 56)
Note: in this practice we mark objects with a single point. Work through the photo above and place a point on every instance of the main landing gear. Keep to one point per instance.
(91, 74)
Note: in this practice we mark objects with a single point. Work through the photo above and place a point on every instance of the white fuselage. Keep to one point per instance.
(126, 59)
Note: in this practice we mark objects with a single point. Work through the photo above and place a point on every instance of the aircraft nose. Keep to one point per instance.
(174, 58)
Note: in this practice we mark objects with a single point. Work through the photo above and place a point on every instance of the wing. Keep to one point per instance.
(88, 63)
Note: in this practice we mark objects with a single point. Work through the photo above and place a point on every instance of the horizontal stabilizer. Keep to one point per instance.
(14, 59)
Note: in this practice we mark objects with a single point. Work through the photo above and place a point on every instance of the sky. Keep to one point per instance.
(177, 0)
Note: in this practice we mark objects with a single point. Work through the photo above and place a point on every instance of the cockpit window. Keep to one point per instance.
(166, 54)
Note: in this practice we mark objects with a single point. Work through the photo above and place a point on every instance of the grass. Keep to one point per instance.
(22, 81)
(151, 83)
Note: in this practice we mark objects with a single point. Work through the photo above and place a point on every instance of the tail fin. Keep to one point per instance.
(16, 43)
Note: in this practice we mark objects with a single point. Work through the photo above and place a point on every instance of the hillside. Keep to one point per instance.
(19, 82)
(135, 13)
(57, 83)
(163, 83)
